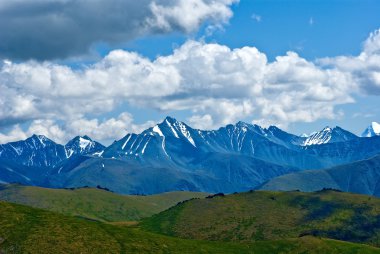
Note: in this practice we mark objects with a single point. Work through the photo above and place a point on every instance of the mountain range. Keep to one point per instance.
(173, 156)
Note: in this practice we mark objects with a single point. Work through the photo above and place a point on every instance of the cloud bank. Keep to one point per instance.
(51, 29)
(218, 85)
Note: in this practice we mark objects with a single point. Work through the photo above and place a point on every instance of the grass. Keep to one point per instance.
(29, 230)
(94, 204)
(263, 215)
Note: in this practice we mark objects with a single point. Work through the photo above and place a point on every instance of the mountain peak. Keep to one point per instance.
(242, 125)
(170, 119)
(40, 138)
(328, 135)
(82, 145)
(328, 128)
(372, 130)
(86, 137)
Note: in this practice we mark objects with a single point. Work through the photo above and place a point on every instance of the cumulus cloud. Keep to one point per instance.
(216, 84)
(364, 68)
(106, 130)
(50, 29)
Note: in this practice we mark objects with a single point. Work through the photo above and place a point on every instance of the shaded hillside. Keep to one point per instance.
(359, 177)
(263, 215)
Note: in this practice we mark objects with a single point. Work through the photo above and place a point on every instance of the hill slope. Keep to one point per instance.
(94, 203)
(359, 177)
(28, 230)
(262, 215)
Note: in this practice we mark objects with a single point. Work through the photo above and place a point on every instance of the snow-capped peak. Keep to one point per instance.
(328, 135)
(372, 130)
(39, 138)
(84, 143)
(173, 128)
(318, 138)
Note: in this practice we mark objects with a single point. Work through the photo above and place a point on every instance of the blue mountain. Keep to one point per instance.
(33, 160)
(36, 151)
(358, 177)
(173, 156)
(82, 146)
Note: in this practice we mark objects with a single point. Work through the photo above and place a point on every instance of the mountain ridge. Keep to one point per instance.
(172, 156)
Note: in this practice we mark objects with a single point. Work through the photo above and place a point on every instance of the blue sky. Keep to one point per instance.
(314, 29)
(52, 79)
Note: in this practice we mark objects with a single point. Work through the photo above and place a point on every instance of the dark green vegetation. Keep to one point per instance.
(263, 215)
(29, 230)
(92, 203)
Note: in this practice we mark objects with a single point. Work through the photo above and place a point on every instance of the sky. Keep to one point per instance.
(104, 68)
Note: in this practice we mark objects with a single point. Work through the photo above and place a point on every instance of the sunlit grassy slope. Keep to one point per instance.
(29, 230)
(264, 215)
(94, 203)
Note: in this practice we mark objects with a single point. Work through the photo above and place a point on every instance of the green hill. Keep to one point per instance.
(29, 230)
(264, 215)
(94, 203)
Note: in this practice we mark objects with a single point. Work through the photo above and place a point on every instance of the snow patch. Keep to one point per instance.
(99, 154)
(143, 150)
(157, 129)
(69, 153)
(126, 142)
(319, 138)
(186, 133)
(171, 127)
(84, 143)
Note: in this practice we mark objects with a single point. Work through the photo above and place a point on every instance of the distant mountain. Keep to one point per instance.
(40, 151)
(36, 151)
(175, 143)
(329, 135)
(173, 156)
(372, 130)
(358, 177)
(82, 145)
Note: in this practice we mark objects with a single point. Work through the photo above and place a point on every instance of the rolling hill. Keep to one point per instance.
(29, 230)
(94, 204)
(263, 215)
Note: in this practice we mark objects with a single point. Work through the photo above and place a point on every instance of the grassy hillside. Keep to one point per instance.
(30, 230)
(263, 215)
(94, 203)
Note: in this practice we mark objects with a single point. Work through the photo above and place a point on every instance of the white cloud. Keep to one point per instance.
(106, 130)
(218, 85)
(113, 128)
(364, 68)
(188, 15)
